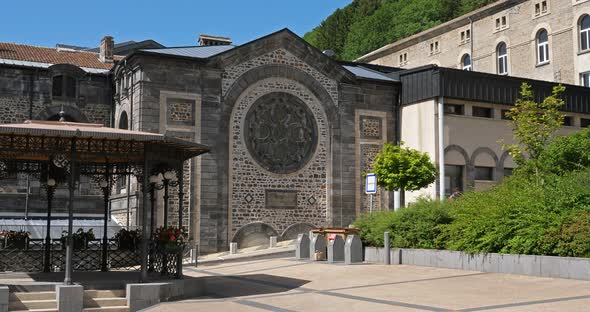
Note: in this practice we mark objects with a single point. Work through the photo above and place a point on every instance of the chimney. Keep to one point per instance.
(107, 46)
(207, 40)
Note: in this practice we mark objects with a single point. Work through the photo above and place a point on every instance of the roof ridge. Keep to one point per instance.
(49, 48)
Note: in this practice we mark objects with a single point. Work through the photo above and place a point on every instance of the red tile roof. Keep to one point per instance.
(21, 52)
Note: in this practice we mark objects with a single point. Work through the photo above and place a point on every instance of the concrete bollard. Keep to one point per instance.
(318, 245)
(336, 249)
(273, 242)
(387, 248)
(353, 250)
(302, 247)
(70, 298)
(233, 248)
(4, 298)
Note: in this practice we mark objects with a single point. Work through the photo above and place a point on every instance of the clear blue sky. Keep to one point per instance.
(170, 22)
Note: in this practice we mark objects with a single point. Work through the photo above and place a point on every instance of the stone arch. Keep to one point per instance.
(460, 150)
(254, 234)
(279, 71)
(71, 111)
(293, 230)
(484, 150)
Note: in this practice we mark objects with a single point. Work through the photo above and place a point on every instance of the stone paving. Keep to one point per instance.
(286, 284)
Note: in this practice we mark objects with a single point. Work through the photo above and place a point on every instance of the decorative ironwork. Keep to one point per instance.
(280, 132)
(60, 161)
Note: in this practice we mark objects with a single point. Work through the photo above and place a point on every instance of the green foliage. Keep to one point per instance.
(403, 168)
(534, 124)
(417, 226)
(366, 25)
(516, 216)
(567, 153)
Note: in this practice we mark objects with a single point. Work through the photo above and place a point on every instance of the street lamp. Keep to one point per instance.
(168, 181)
(50, 187)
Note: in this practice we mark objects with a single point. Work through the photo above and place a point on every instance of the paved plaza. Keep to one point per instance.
(285, 284)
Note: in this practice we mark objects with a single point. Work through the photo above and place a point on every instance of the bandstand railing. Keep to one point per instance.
(29, 256)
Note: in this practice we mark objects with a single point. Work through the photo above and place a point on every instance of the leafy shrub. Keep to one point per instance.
(567, 153)
(516, 216)
(417, 226)
(571, 238)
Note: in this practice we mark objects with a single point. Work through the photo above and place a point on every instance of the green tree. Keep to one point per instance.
(533, 125)
(399, 167)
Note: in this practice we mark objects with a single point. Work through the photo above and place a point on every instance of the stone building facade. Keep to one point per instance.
(504, 38)
(283, 122)
(37, 83)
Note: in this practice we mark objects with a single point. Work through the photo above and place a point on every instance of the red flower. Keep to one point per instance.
(172, 238)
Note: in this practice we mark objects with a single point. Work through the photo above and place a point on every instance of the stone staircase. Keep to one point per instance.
(44, 301)
(105, 300)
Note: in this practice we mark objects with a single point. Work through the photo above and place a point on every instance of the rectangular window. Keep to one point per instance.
(504, 23)
(484, 112)
(484, 173)
(454, 109)
(544, 7)
(501, 22)
(503, 114)
(585, 79)
(568, 121)
(543, 53)
(434, 47)
(537, 9)
(584, 122)
(508, 171)
(468, 35)
(462, 36)
(453, 179)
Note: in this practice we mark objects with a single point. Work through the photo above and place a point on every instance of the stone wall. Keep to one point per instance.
(250, 182)
(25, 93)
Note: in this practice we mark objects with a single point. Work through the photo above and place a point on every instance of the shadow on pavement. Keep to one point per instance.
(248, 285)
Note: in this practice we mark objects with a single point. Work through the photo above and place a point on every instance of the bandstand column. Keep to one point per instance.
(144, 217)
(50, 184)
(72, 187)
(180, 177)
(106, 191)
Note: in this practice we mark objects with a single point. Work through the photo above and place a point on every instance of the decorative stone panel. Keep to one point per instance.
(250, 182)
(368, 154)
(371, 127)
(279, 56)
(180, 111)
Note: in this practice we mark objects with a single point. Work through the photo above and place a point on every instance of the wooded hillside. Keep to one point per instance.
(366, 25)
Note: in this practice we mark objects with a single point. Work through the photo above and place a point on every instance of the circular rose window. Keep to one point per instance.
(280, 132)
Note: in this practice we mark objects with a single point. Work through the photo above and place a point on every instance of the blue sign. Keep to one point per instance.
(371, 183)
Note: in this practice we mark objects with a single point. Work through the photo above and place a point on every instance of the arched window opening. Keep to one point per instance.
(124, 121)
(502, 59)
(542, 47)
(585, 33)
(466, 62)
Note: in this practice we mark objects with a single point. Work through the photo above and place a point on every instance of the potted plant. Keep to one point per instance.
(80, 238)
(169, 239)
(128, 239)
(15, 239)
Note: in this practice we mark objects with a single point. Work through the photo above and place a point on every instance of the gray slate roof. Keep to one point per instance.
(363, 72)
(196, 51)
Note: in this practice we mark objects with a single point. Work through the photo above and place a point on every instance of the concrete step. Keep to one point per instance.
(31, 304)
(24, 296)
(35, 310)
(117, 293)
(104, 302)
(107, 309)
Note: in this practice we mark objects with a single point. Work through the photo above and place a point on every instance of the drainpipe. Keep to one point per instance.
(441, 148)
(397, 194)
(471, 43)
